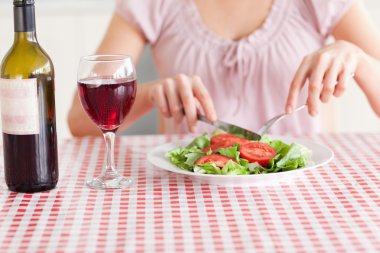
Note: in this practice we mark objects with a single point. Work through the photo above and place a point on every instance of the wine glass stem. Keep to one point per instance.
(110, 171)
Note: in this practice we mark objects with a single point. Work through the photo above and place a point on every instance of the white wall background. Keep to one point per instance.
(70, 29)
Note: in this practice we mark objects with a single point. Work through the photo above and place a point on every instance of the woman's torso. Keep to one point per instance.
(248, 79)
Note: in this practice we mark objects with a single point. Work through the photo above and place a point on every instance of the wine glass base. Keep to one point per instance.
(115, 183)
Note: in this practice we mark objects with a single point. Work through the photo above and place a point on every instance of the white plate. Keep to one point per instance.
(321, 155)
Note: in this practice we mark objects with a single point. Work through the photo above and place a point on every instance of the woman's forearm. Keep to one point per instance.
(367, 76)
(141, 106)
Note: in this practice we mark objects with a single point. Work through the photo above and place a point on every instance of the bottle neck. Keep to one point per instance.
(24, 19)
(25, 37)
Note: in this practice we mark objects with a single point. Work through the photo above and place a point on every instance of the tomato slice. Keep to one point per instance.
(216, 146)
(228, 138)
(257, 152)
(219, 160)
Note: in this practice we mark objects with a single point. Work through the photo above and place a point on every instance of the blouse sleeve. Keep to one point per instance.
(326, 14)
(145, 15)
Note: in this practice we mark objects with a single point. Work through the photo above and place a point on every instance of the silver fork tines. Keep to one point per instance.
(274, 120)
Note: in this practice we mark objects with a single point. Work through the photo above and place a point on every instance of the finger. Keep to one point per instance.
(159, 100)
(343, 80)
(175, 106)
(315, 84)
(188, 101)
(296, 85)
(330, 81)
(201, 93)
(198, 105)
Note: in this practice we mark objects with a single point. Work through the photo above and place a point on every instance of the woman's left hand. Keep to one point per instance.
(328, 71)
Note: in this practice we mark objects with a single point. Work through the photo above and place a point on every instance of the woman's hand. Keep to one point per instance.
(328, 71)
(173, 96)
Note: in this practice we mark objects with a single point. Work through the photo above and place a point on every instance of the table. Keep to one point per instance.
(334, 208)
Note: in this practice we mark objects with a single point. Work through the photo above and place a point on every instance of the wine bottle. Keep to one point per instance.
(28, 108)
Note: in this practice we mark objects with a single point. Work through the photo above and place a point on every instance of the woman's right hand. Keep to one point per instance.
(173, 96)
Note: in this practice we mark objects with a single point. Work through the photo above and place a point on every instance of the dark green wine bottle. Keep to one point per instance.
(28, 108)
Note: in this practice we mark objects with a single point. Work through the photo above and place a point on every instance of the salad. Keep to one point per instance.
(227, 154)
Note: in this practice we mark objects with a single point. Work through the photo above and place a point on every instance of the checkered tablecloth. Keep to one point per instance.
(334, 208)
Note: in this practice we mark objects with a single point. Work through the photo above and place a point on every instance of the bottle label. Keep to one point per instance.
(19, 106)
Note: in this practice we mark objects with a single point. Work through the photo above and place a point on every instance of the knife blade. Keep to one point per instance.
(230, 128)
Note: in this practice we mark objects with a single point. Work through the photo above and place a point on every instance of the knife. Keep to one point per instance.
(230, 128)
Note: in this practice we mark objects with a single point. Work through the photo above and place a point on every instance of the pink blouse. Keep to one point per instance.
(248, 79)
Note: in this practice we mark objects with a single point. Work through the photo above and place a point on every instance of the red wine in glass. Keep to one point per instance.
(107, 101)
(107, 91)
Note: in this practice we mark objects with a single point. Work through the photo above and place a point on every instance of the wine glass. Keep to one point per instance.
(107, 90)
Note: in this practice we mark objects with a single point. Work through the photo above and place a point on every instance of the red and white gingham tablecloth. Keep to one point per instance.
(334, 208)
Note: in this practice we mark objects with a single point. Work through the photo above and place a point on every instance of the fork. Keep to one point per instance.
(250, 135)
(275, 119)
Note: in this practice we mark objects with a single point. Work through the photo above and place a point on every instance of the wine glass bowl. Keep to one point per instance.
(107, 90)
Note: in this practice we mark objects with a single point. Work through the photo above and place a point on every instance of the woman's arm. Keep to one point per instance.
(357, 27)
(356, 52)
(120, 38)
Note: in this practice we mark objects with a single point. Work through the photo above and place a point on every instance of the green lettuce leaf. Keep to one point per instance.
(243, 162)
(232, 168)
(207, 168)
(178, 158)
(217, 131)
(193, 157)
(232, 152)
(280, 147)
(255, 168)
(200, 142)
(265, 139)
(184, 158)
(297, 156)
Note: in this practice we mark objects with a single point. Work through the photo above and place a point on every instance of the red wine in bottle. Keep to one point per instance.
(28, 108)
